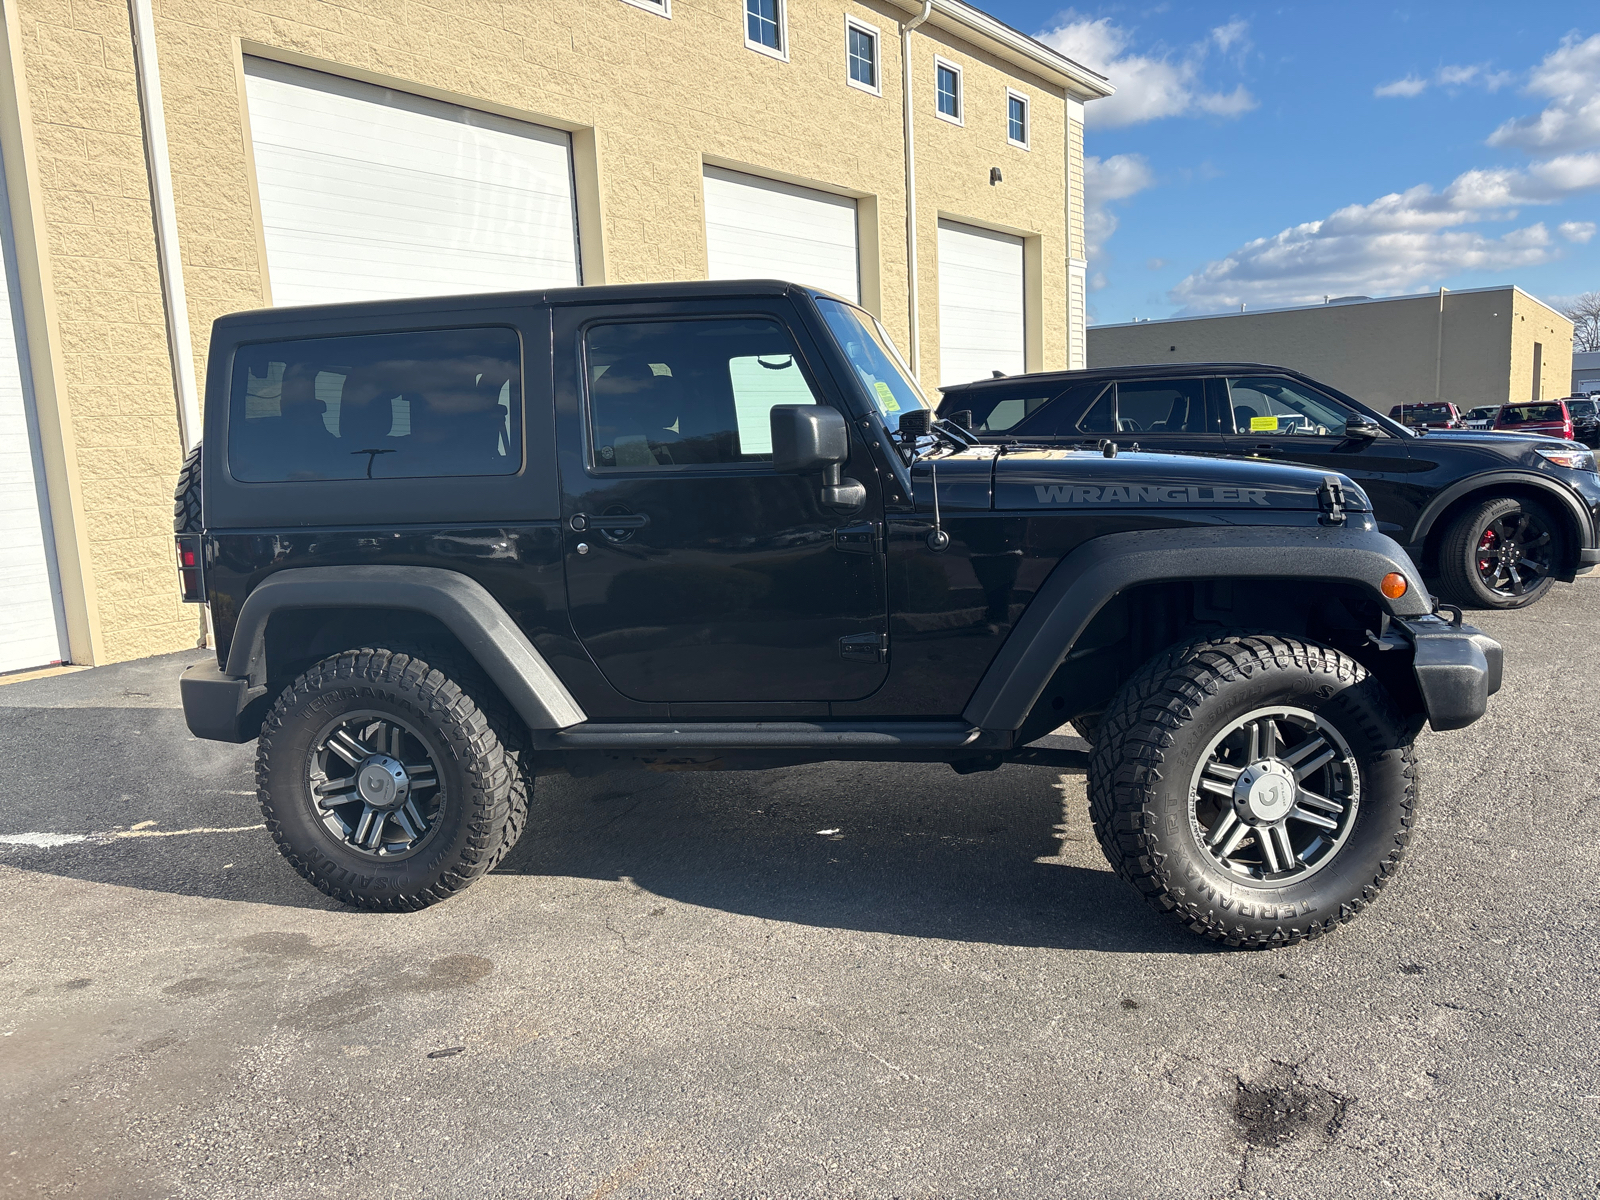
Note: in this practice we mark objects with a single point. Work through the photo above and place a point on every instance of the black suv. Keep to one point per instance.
(452, 545)
(1495, 518)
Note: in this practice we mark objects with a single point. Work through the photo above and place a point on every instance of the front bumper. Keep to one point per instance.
(1457, 669)
(221, 707)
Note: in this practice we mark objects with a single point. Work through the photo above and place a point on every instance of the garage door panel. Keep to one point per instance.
(763, 229)
(368, 193)
(982, 320)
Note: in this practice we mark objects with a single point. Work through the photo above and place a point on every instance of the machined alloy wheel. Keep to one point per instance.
(374, 784)
(1275, 796)
(1501, 554)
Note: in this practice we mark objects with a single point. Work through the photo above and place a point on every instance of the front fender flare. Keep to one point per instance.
(1085, 580)
(462, 604)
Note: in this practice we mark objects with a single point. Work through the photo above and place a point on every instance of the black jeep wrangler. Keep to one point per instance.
(451, 545)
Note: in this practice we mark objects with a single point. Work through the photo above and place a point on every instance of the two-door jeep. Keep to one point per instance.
(451, 545)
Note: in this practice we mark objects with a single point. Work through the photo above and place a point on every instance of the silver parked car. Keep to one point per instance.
(1481, 417)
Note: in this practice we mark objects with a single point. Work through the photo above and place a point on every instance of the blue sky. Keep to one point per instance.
(1274, 155)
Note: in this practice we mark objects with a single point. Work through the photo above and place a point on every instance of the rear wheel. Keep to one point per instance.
(1500, 554)
(383, 782)
(1259, 789)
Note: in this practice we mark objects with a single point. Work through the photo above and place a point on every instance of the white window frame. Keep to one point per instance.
(782, 52)
(1027, 119)
(876, 35)
(961, 92)
(660, 8)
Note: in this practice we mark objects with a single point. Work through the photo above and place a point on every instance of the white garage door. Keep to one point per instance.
(368, 193)
(30, 633)
(981, 315)
(761, 229)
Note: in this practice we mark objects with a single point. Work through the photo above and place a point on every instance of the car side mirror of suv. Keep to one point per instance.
(1361, 429)
(814, 437)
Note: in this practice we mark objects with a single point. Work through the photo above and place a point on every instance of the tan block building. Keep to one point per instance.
(1479, 346)
(167, 161)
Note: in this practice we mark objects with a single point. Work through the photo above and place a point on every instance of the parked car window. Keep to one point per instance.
(1161, 406)
(1102, 414)
(1581, 408)
(1275, 406)
(377, 406)
(688, 393)
(1521, 414)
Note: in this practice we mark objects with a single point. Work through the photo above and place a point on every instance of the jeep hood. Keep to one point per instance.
(1083, 479)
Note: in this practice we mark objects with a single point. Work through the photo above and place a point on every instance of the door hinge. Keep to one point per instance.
(865, 647)
(866, 538)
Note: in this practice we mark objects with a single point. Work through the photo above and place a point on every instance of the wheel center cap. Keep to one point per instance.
(382, 782)
(1265, 792)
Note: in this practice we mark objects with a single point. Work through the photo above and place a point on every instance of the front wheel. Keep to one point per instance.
(1259, 789)
(1500, 554)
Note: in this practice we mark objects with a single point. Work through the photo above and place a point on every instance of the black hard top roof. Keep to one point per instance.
(698, 289)
(1139, 370)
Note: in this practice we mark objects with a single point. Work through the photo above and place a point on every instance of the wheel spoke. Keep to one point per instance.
(1516, 582)
(404, 821)
(1538, 541)
(364, 825)
(1217, 789)
(415, 817)
(1279, 834)
(342, 743)
(1227, 770)
(1253, 750)
(1294, 756)
(1224, 824)
(1299, 813)
(1531, 567)
(395, 734)
(1234, 838)
(1321, 802)
(374, 840)
(1313, 764)
(335, 792)
(1270, 741)
(1269, 852)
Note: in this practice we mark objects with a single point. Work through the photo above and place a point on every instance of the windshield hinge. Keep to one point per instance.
(1330, 499)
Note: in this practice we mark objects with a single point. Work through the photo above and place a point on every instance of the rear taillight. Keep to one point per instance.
(191, 578)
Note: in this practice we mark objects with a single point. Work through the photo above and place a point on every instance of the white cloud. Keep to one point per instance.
(1453, 76)
(1417, 237)
(1155, 85)
(1570, 77)
(1106, 181)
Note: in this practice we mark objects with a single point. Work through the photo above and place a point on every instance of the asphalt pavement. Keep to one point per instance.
(839, 980)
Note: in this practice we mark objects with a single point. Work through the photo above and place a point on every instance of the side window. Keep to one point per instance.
(377, 406)
(990, 415)
(1162, 406)
(1275, 406)
(688, 393)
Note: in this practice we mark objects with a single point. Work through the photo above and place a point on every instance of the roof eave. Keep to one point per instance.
(1015, 47)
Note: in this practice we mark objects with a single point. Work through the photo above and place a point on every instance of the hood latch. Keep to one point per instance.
(1330, 499)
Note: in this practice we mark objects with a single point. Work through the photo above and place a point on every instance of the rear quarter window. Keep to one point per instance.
(377, 406)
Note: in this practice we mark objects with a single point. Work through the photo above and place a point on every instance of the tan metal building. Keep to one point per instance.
(166, 161)
(1472, 347)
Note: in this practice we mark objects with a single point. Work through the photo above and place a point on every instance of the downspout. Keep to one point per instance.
(1438, 351)
(179, 349)
(911, 188)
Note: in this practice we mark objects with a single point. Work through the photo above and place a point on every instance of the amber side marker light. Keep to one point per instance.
(1394, 585)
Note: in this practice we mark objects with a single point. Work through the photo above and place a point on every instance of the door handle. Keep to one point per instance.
(605, 521)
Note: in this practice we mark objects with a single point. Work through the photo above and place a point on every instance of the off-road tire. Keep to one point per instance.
(186, 499)
(1459, 581)
(1087, 726)
(1152, 737)
(471, 762)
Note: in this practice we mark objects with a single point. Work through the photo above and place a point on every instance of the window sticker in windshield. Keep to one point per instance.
(886, 398)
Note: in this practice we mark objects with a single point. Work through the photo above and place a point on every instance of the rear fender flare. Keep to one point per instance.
(1085, 580)
(462, 604)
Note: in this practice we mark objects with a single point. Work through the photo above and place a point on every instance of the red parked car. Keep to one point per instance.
(1550, 417)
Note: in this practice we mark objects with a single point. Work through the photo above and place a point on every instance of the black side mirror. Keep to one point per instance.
(814, 437)
(1361, 429)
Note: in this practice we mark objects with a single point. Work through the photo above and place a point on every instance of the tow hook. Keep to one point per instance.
(1330, 499)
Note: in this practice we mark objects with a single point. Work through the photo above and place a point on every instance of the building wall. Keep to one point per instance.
(92, 191)
(1383, 352)
(648, 101)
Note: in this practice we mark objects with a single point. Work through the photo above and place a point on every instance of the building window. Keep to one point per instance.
(948, 86)
(661, 8)
(1017, 119)
(861, 50)
(764, 27)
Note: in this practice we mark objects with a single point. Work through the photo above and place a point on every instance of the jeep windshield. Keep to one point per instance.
(877, 364)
